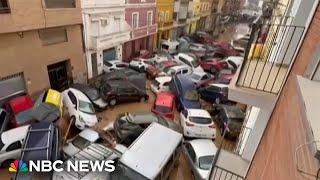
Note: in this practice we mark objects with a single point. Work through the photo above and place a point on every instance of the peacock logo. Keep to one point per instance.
(18, 166)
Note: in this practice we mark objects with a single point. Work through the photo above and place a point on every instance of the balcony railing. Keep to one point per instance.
(223, 174)
(269, 55)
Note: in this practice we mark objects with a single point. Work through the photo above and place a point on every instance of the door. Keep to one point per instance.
(94, 63)
(11, 86)
(58, 76)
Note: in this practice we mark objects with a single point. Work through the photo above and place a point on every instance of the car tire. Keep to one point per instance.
(113, 102)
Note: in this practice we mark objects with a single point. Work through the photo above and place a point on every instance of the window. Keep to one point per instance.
(14, 146)
(53, 36)
(72, 98)
(150, 18)
(191, 152)
(60, 3)
(4, 6)
(135, 20)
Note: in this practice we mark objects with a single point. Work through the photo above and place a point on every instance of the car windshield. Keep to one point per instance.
(93, 94)
(195, 76)
(191, 95)
(205, 162)
(86, 107)
(156, 83)
(200, 120)
(163, 109)
(80, 142)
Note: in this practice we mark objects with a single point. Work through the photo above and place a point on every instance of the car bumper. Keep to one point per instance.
(193, 134)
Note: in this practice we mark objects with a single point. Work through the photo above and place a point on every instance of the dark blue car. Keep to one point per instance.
(185, 92)
(214, 93)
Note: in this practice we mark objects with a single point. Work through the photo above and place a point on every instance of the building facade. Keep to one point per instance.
(105, 31)
(165, 10)
(205, 20)
(280, 136)
(180, 16)
(141, 16)
(193, 16)
(44, 49)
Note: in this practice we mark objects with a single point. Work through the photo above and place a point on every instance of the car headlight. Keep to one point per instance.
(81, 119)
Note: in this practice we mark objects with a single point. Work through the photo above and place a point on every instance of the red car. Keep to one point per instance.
(204, 38)
(215, 65)
(164, 105)
(227, 48)
(20, 110)
(154, 71)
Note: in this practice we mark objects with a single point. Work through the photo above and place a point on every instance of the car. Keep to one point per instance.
(11, 142)
(93, 95)
(214, 93)
(198, 49)
(4, 120)
(204, 38)
(170, 47)
(234, 62)
(115, 92)
(79, 108)
(229, 116)
(185, 92)
(121, 74)
(82, 140)
(227, 48)
(197, 123)
(164, 105)
(154, 71)
(140, 64)
(214, 66)
(130, 125)
(176, 70)
(42, 143)
(160, 84)
(202, 79)
(20, 110)
(190, 60)
(200, 154)
(109, 66)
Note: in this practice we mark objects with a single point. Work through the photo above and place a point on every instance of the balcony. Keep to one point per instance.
(144, 31)
(109, 40)
(268, 58)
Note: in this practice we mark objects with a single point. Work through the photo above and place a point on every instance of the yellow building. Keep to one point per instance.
(165, 10)
(195, 16)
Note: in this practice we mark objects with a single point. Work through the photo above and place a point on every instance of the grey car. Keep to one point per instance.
(4, 120)
(130, 125)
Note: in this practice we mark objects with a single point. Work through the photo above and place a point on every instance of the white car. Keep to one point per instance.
(201, 77)
(79, 107)
(198, 49)
(141, 64)
(197, 123)
(109, 66)
(175, 70)
(200, 154)
(160, 84)
(190, 60)
(234, 61)
(11, 144)
(80, 141)
(170, 47)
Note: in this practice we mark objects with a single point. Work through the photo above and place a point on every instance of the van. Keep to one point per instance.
(170, 47)
(151, 156)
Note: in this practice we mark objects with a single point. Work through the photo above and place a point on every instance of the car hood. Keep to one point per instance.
(198, 69)
(191, 104)
(101, 103)
(90, 119)
(70, 149)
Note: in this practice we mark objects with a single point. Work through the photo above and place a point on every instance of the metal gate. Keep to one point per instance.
(11, 86)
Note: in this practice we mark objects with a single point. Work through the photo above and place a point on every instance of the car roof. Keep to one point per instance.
(163, 78)
(183, 66)
(187, 56)
(219, 85)
(200, 73)
(237, 58)
(150, 152)
(186, 82)
(142, 117)
(89, 134)
(198, 113)
(164, 99)
(79, 94)
(15, 134)
(203, 147)
(21, 103)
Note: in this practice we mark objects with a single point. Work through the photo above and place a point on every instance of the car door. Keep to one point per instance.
(13, 151)
(72, 103)
(192, 158)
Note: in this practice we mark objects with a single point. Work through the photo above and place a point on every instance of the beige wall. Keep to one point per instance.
(31, 14)
(28, 55)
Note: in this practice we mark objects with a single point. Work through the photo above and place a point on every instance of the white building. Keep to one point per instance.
(105, 30)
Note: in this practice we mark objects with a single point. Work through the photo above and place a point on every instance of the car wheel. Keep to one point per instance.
(218, 100)
(113, 102)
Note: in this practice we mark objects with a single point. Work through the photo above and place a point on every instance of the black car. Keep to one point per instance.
(93, 95)
(42, 143)
(231, 117)
(129, 126)
(4, 120)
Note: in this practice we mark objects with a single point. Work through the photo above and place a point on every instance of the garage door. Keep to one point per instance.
(109, 54)
(11, 86)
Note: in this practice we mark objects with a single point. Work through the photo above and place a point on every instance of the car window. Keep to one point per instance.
(214, 89)
(201, 120)
(205, 77)
(80, 142)
(2, 117)
(166, 84)
(72, 98)
(185, 71)
(205, 162)
(14, 146)
(121, 65)
(191, 152)
(164, 46)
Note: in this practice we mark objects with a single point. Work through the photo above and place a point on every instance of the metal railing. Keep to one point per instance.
(219, 173)
(269, 55)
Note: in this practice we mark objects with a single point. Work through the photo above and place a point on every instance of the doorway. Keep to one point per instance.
(58, 75)
(94, 63)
